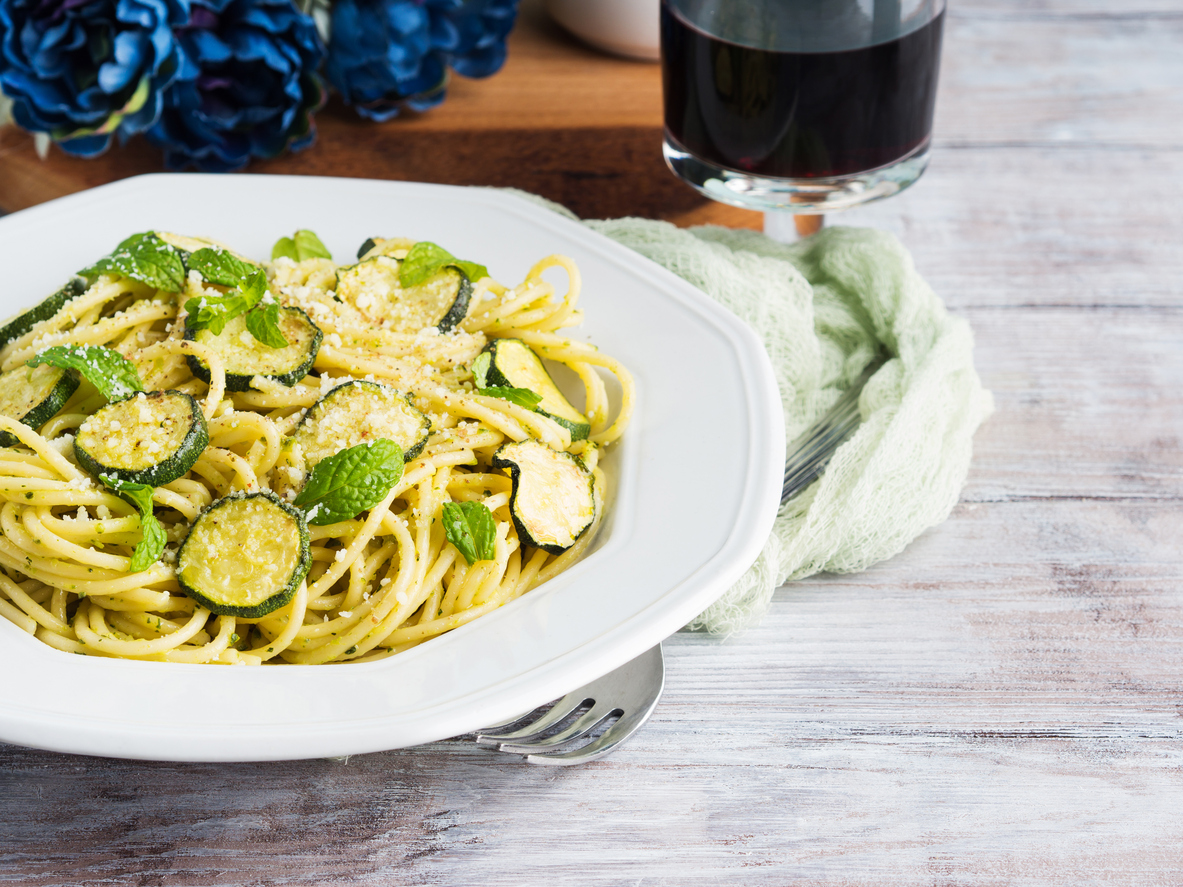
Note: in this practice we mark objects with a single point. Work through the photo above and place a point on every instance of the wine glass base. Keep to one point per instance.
(808, 196)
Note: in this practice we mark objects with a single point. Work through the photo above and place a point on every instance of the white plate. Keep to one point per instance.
(697, 483)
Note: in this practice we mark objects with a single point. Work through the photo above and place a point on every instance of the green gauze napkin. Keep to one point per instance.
(822, 307)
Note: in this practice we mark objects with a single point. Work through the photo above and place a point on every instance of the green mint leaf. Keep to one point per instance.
(351, 481)
(220, 267)
(426, 258)
(523, 397)
(480, 369)
(304, 245)
(472, 270)
(213, 312)
(139, 495)
(423, 260)
(285, 248)
(471, 528)
(152, 535)
(263, 324)
(109, 371)
(253, 287)
(146, 258)
(309, 246)
(151, 544)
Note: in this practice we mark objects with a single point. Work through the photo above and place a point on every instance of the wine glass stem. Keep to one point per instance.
(807, 225)
(778, 227)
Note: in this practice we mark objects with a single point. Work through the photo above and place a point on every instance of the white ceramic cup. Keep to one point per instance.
(622, 27)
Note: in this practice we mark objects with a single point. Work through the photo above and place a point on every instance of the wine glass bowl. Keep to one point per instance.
(804, 106)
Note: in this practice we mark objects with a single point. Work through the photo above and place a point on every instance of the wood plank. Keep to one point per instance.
(1040, 226)
(599, 172)
(751, 819)
(1095, 9)
(1088, 403)
(1020, 619)
(1098, 81)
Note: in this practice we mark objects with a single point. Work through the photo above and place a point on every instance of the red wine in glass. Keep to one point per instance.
(806, 105)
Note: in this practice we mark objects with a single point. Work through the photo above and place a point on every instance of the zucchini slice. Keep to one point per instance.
(368, 245)
(185, 246)
(384, 246)
(33, 396)
(358, 412)
(372, 287)
(513, 363)
(245, 555)
(144, 438)
(22, 323)
(246, 357)
(553, 499)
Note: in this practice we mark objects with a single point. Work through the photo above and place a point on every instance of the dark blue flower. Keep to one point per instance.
(385, 55)
(476, 35)
(87, 70)
(248, 86)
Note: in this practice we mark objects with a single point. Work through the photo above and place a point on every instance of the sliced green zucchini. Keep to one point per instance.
(358, 412)
(245, 555)
(144, 438)
(246, 357)
(513, 363)
(553, 499)
(186, 246)
(384, 246)
(373, 288)
(33, 396)
(22, 323)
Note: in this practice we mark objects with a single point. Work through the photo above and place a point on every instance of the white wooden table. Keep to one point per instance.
(1000, 704)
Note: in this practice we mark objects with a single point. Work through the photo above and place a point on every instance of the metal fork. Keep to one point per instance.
(630, 693)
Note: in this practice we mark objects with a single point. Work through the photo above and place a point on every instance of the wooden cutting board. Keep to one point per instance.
(560, 119)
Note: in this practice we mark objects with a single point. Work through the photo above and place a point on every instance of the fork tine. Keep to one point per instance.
(633, 689)
(600, 747)
(557, 712)
(587, 721)
(805, 467)
(811, 453)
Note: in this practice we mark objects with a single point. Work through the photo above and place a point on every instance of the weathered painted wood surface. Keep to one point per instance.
(1002, 704)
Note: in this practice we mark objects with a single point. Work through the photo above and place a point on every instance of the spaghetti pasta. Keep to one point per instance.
(379, 582)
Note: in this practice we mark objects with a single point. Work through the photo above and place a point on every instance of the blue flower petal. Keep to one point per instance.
(207, 46)
(86, 146)
(407, 18)
(130, 49)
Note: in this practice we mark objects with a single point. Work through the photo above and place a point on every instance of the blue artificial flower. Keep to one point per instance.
(385, 55)
(248, 86)
(87, 70)
(477, 29)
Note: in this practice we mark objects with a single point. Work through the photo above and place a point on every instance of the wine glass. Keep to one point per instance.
(799, 107)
